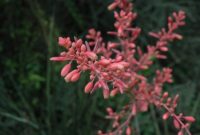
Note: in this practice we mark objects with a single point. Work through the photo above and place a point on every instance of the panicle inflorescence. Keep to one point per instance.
(116, 67)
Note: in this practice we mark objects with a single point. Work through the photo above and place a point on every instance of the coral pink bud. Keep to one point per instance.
(92, 31)
(165, 95)
(155, 35)
(112, 6)
(119, 58)
(165, 116)
(125, 64)
(89, 87)
(69, 75)
(144, 67)
(169, 100)
(64, 41)
(100, 132)
(161, 56)
(177, 36)
(104, 62)
(111, 45)
(134, 109)
(109, 110)
(65, 70)
(114, 92)
(122, 13)
(176, 124)
(115, 66)
(83, 48)
(59, 58)
(164, 49)
(79, 43)
(91, 55)
(61, 41)
(128, 130)
(180, 132)
(131, 45)
(189, 118)
(176, 99)
(75, 77)
(106, 93)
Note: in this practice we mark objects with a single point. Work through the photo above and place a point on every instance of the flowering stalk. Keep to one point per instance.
(116, 67)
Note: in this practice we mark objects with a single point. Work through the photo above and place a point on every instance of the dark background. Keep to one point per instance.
(35, 100)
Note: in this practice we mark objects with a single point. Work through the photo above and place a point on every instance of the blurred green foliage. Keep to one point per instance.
(35, 100)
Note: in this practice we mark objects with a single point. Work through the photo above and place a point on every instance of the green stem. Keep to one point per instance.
(155, 122)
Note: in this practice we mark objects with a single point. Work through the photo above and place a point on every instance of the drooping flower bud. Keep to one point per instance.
(69, 75)
(59, 58)
(164, 49)
(114, 92)
(89, 87)
(65, 70)
(128, 130)
(180, 132)
(106, 93)
(165, 95)
(91, 55)
(66, 42)
(165, 116)
(189, 118)
(104, 62)
(177, 36)
(83, 48)
(112, 6)
(75, 77)
(109, 110)
(176, 124)
(61, 41)
(115, 66)
(79, 43)
(134, 109)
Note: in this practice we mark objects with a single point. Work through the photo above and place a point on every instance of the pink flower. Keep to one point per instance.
(118, 67)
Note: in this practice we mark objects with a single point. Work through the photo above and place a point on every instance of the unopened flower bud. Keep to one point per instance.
(131, 45)
(89, 87)
(119, 58)
(165, 95)
(69, 75)
(64, 41)
(109, 110)
(104, 62)
(115, 66)
(91, 55)
(177, 36)
(114, 92)
(79, 43)
(164, 49)
(111, 45)
(65, 70)
(106, 93)
(128, 130)
(169, 100)
(180, 132)
(112, 6)
(75, 77)
(125, 64)
(189, 118)
(134, 110)
(165, 116)
(176, 124)
(92, 31)
(83, 48)
(59, 58)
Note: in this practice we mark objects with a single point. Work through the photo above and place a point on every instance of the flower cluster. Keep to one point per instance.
(116, 67)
